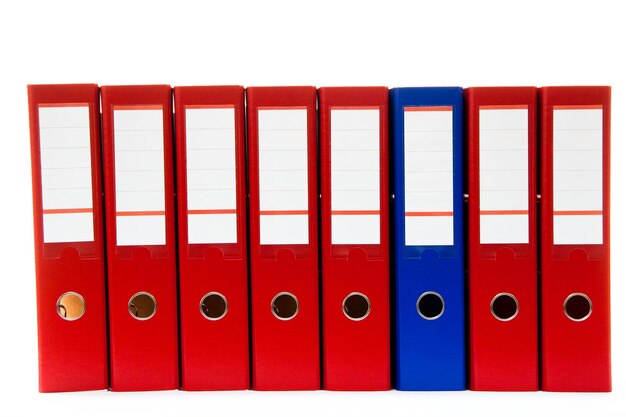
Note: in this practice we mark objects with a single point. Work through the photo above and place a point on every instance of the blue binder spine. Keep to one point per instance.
(427, 135)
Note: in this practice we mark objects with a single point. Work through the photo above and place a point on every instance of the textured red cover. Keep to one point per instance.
(356, 354)
(575, 356)
(503, 355)
(72, 354)
(285, 353)
(214, 353)
(144, 353)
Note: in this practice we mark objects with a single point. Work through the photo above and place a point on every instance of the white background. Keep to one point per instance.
(471, 43)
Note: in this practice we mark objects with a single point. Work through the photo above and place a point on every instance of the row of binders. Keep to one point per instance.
(294, 238)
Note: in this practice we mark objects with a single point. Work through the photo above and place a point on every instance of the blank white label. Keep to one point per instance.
(355, 175)
(66, 183)
(503, 144)
(428, 176)
(577, 175)
(139, 175)
(283, 176)
(211, 175)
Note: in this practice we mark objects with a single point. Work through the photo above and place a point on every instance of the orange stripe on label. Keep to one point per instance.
(502, 212)
(210, 106)
(63, 105)
(354, 212)
(68, 211)
(428, 108)
(213, 211)
(505, 107)
(140, 107)
(139, 213)
(427, 213)
(578, 213)
(355, 107)
(282, 212)
(579, 107)
(282, 107)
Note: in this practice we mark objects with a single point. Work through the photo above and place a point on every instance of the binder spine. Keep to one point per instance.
(212, 237)
(141, 239)
(282, 145)
(503, 332)
(575, 238)
(69, 238)
(429, 250)
(355, 244)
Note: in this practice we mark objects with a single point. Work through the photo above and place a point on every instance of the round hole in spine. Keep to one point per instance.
(504, 306)
(430, 305)
(71, 306)
(356, 306)
(213, 306)
(577, 306)
(142, 306)
(284, 306)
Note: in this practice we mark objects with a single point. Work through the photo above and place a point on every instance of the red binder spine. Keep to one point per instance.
(69, 241)
(355, 238)
(283, 237)
(139, 188)
(210, 129)
(575, 237)
(503, 334)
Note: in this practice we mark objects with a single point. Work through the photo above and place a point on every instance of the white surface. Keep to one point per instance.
(68, 227)
(140, 230)
(428, 136)
(504, 228)
(577, 175)
(355, 180)
(212, 228)
(576, 230)
(283, 178)
(210, 133)
(427, 200)
(503, 145)
(65, 151)
(393, 43)
(360, 229)
(292, 229)
(139, 176)
(429, 230)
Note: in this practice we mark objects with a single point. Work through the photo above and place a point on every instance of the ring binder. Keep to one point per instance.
(355, 240)
(502, 241)
(139, 185)
(427, 132)
(212, 235)
(575, 238)
(282, 169)
(69, 238)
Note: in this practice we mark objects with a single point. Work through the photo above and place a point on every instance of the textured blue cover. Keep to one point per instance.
(430, 354)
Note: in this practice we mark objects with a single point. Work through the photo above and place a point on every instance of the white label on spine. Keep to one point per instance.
(503, 143)
(428, 176)
(139, 175)
(66, 183)
(211, 175)
(283, 178)
(577, 175)
(355, 175)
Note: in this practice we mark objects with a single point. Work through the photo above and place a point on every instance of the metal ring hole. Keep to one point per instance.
(504, 307)
(71, 306)
(142, 306)
(285, 306)
(213, 306)
(356, 306)
(430, 305)
(577, 307)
